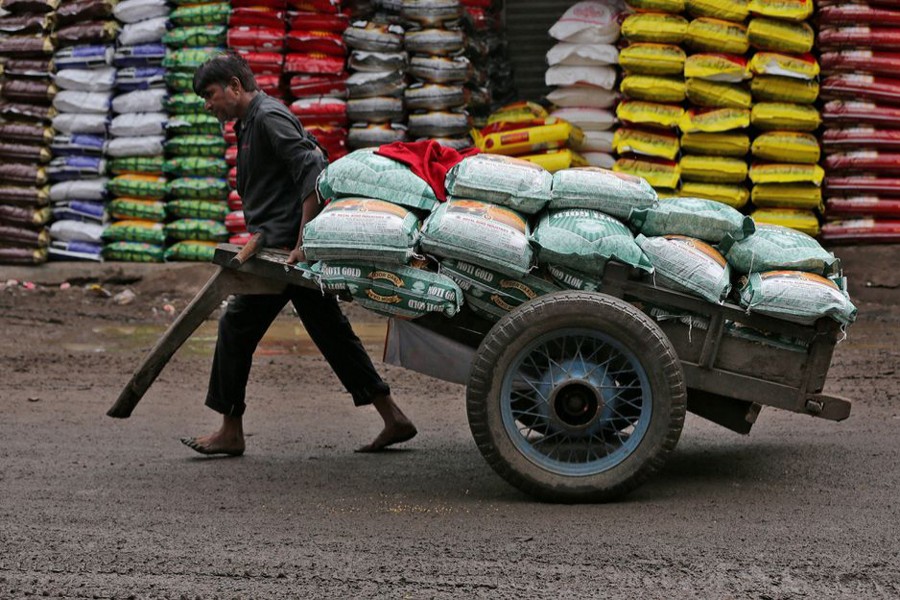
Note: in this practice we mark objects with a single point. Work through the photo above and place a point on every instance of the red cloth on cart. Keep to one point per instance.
(427, 159)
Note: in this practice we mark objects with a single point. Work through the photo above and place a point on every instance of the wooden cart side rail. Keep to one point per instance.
(619, 281)
(702, 374)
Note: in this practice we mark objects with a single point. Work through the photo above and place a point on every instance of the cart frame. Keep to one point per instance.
(727, 377)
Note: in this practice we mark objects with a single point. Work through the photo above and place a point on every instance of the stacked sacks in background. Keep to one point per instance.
(234, 217)
(785, 173)
(654, 88)
(319, 98)
(377, 81)
(86, 78)
(715, 142)
(487, 50)
(436, 99)
(257, 32)
(195, 146)
(861, 141)
(137, 187)
(527, 131)
(26, 112)
(728, 88)
(583, 66)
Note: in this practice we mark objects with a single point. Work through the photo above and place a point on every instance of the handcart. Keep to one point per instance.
(574, 396)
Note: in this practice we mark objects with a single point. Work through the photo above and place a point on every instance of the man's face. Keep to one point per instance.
(222, 100)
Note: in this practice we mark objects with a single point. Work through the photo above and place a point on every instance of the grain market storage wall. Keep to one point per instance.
(527, 24)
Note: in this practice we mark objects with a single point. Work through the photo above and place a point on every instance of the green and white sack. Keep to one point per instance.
(570, 279)
(361, 229)
(698, 218)
(136, 165)
(187, 103)
(201, 14)
(131, 208)
(136, 230)
(364, 173)
(491, 294)
(773, 248)
(584, 240)
(687, 265)
(188, 60)
(797, 296)
(491, 236)
(615, 194)
(392, 290)
(195, 124)
(512, 182)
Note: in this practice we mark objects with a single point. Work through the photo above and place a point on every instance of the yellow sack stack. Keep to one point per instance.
(736, 124)
(786, 177)
(715, 138)
(653, 86)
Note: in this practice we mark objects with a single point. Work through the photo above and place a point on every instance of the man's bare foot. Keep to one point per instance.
(397, 426)
(395, 434)
(229, 439)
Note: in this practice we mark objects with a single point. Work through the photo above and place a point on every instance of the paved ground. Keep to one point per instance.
(92, 507)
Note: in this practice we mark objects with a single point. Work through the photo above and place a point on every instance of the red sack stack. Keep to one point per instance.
(256, 31)
(860, 60)
(258, 34)
(315, 71)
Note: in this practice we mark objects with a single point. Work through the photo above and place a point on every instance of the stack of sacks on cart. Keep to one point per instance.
(501, 231)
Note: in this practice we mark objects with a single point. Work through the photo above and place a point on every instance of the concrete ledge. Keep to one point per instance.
(55, 273)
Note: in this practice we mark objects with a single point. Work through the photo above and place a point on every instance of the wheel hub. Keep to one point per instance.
(576, 403)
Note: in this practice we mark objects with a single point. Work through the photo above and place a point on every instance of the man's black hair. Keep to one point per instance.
(220, 69)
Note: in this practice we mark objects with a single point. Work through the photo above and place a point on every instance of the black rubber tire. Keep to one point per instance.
(593, 311)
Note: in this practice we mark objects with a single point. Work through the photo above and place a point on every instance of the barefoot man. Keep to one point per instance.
(278, 163)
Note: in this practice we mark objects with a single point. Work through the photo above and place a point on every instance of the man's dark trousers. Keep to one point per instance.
(247, 319)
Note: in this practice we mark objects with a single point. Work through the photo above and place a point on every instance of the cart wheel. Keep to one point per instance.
(576, 397)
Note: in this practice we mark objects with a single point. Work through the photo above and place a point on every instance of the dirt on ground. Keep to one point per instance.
(94, 507)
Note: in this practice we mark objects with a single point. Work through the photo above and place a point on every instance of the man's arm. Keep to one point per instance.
(311, 208)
